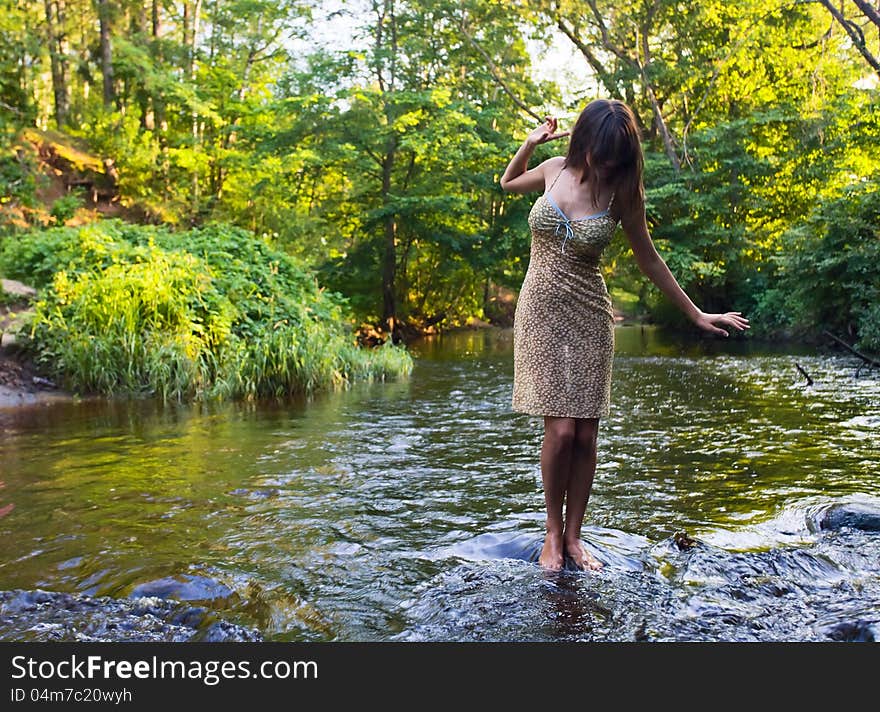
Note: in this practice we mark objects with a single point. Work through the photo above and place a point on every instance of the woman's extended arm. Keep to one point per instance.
(517, 177)
(652, 265)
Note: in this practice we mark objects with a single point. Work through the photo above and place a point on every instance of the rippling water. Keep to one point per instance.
(413, 510)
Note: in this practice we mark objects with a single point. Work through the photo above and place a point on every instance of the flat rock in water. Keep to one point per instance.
(855, 515)
(185, 587)
(609, 546)
(525, 547)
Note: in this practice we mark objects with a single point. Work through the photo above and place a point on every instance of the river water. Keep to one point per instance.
(413, 510)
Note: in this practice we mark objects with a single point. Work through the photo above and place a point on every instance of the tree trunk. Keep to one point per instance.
(158, 101)
(191, 15)
(141, 32)
(387, 87)
(58, 58)
(643, 66)
(27, 85)
(668, 143)
(389, 261)
(106, 52)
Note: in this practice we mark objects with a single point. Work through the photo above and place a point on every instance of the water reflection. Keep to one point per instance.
(413, 510)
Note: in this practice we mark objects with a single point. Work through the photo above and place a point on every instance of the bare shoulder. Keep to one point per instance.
(550, 167)
(534, 179)
(554, 163)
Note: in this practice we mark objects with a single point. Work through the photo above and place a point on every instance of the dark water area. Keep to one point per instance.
(413, 510)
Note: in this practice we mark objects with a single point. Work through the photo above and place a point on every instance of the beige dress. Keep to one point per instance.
(563, 332)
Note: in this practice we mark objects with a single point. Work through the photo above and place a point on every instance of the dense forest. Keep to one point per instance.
(363, 142)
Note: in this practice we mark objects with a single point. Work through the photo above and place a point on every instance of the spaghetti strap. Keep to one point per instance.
(546, 192)
(555, 179)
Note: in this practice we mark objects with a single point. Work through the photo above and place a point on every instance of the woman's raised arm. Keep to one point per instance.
(517, 177)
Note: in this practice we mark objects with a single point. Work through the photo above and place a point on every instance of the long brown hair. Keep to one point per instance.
(607, 132)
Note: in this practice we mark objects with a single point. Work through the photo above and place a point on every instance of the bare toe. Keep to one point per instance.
(582, 558)
(592, 562)
(550, 563)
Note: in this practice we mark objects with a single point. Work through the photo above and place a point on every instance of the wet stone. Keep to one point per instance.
(52, 616)
(185, 587)
(854, 515)
(851, 632)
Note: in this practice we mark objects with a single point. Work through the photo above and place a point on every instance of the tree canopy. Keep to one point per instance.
(374, 157)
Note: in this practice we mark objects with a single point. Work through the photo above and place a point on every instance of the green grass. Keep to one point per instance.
(204, 314)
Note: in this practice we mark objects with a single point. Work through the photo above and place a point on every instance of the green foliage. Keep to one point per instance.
(17, 178)
(418, 153)
(869, 327)
(36, 257)
(122, 136)
(210, 313)
(829, 276)
(65, 208)
(405, 131)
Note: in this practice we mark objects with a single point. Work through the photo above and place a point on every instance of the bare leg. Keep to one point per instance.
(556, 457)
(580, 484)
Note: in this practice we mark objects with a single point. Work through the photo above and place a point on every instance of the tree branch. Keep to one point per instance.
(855, 34)
(843, 343)
(604, 76)
(493, 70)
(871, 13)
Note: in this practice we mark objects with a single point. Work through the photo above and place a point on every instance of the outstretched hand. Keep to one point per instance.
(712, 322)
(546, 132)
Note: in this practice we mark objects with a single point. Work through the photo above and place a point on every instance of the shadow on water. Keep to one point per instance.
(413, 510)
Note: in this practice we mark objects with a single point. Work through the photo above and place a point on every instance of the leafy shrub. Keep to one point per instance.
(830, 269)
(64, 208)
(210, 313)
(17, 182)
(869, 328)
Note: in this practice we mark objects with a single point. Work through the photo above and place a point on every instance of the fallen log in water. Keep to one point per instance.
(866, 359)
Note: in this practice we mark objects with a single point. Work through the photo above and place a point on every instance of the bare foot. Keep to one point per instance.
(582, 558)
(551, 553)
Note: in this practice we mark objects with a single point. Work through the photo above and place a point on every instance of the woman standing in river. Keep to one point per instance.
(564, 323)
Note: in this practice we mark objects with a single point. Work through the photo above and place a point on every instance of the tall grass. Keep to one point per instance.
(209, 313)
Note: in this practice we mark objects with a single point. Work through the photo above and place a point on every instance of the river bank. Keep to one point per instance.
(20, 381)
(21, 384)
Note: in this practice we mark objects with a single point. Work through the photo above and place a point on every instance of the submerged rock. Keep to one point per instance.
(855, 515)
(52, 616)
(185, 587)
(524, 547)
(611, 547)
(852, 632)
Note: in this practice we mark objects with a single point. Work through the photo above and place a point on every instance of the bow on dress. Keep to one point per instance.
(569, 231)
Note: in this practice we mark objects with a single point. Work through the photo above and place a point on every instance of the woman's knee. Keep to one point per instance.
(560, 433)
(586, 433)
